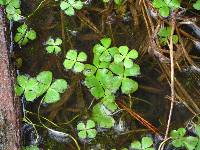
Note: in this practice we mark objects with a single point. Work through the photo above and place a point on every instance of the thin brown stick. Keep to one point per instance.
(172, 80)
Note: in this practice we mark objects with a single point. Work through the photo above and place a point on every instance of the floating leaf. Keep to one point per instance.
(74, 60)
(69, 6)
(86, 130)
(54, 91)
(53, 46)
(24, 34)
(101, 118)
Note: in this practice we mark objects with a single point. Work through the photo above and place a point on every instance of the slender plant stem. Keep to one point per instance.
(172, 79)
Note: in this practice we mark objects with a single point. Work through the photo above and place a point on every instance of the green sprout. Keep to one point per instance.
(87, 130)
(34, 87)
(74, 60)
(179, 140)
(165, 6)
(24, 35)
(53, 46)
(145, 144)
(164, 36)
(68, 6)
(196, 5)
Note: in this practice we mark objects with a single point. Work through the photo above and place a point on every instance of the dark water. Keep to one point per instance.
(149, 101)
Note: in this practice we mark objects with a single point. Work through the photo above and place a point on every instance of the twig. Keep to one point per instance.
(172, 79)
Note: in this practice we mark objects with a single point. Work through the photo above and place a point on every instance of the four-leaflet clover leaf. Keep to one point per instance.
(126, 56)
(53, 46)
(164, 6)
(12, 9)
(179, 140)
(127, 85)
(87, 130)
(33, 87)
(68, 6)
(145, 144)
(74, 60)
(164, 36)
(24, 35)
(103, 52)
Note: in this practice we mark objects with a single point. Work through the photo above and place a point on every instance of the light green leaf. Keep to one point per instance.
(60, 85)
(129, 86)
(78, 67)
(190, 142)
(22, 81)
(164, 11)
(90, 124)
(95, 87)
(133, 71)
(81, 126)
(68, 64)
(78, 5)
(89, 70)
(118, 58)
(101, 118)
(128, 63)
(71, 54)
(117, 68)
(123, 50)
(82, 134)
(196, 5)
(106, 42)
(136, 145)
(133, 54)
(51, 96)
(146, 142)
(91, 133)
(82, 57)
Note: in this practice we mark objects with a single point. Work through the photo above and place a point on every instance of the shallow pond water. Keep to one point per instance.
(82, 32)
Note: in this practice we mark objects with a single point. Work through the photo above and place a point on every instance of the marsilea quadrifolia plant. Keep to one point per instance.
(112, 70)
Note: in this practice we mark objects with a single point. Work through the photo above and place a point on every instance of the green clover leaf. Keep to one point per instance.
(127, 85)
(164, 6)
(12, 9)
(103, 52)
(145, 144)
(33, 87)
(24, 35)
(126, 56)
(74, 61)
(69, 6)
(179, 140)
(101, 117)
(54, 91)
(86, 130)
(53, 46)
(196, 5)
